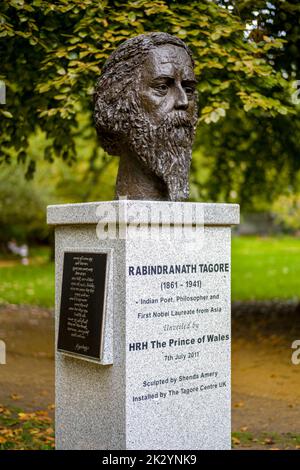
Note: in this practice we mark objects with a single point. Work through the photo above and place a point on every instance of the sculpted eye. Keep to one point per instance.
(162, 88)
(189, 90)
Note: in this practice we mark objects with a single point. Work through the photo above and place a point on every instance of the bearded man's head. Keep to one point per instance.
(146, 111)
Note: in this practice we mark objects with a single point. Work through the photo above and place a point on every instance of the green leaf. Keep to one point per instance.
(6, 114)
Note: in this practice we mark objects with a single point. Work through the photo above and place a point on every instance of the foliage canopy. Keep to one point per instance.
(51, 53)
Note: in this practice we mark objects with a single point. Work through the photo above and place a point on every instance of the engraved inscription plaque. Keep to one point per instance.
(82, 304)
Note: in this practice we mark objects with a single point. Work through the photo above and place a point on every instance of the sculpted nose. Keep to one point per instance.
(181, 100)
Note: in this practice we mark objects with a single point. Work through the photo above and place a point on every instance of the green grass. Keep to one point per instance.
(265, 268)
(262, 269)
(32, 285)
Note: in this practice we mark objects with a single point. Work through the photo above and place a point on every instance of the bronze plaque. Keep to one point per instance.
(82, 304)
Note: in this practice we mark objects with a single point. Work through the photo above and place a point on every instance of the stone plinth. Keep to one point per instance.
(162, 380)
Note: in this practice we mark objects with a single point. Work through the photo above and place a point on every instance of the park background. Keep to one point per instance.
(247, 151)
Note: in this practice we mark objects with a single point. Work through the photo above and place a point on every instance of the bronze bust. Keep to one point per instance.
(146, 113)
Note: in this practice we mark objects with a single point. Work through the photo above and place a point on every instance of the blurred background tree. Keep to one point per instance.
(255, 155)
(22, 209)
(287, 211)
(246, 54)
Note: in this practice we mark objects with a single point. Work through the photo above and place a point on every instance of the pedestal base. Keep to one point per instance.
(163, 381)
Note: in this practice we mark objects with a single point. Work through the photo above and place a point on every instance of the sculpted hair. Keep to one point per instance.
(115, 97)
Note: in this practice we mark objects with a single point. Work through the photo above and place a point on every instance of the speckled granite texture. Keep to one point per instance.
(168, 334)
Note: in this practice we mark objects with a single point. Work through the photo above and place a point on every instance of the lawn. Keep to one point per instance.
(262, 269)
(265, 268)
(29, 285)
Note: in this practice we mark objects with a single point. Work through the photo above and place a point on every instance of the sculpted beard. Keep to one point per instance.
(165, 149)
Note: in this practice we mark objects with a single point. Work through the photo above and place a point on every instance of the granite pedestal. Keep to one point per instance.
(161, 379)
